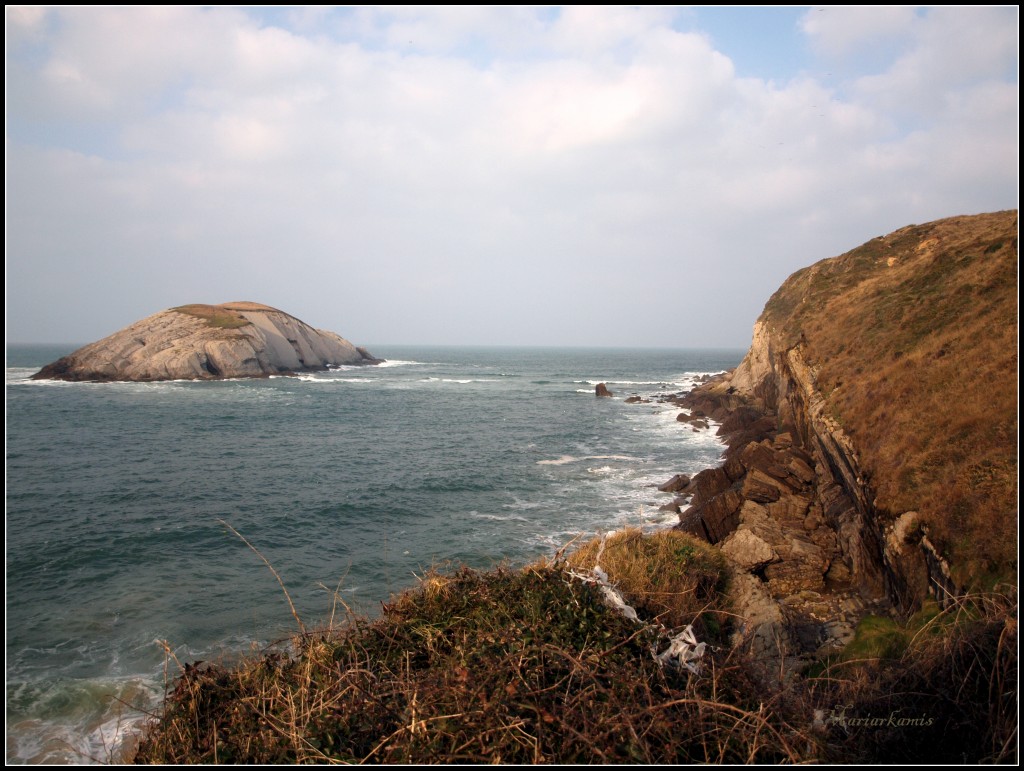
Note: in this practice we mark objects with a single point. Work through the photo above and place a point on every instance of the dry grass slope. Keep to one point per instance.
(505, 667)
(914, 336)
(531, 666)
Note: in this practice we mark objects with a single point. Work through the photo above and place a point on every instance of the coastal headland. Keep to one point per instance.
(870, 463)
(841, 589)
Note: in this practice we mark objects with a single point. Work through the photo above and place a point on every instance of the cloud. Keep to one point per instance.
(950, 49)
(506, 175)
(838, 31)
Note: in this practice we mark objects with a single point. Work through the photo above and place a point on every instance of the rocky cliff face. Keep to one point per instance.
(206, 342)
(890, 373)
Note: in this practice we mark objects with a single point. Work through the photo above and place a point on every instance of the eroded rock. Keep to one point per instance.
(208, 342)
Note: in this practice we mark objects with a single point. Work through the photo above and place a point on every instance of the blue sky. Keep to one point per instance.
(520, 176)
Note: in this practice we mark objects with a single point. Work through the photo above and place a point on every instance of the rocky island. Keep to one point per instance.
(208, 342)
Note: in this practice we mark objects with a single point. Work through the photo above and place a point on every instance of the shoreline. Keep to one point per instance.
(762, 508)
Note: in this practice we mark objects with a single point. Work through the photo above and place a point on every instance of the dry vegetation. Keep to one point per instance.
(214, 315)
(915, 339)
(670, 577)
(941, 688)
(531, 665)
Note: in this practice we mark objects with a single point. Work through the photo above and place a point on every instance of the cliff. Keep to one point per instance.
(891, 372)
(207, 342)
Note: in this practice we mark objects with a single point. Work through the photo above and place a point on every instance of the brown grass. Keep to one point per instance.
(505, 667)
(531, 666)
(668, 576)
(914, 336)
(940, 689)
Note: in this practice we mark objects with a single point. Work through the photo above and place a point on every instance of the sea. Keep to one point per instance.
(150, 525)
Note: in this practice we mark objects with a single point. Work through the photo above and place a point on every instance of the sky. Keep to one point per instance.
(598, 176)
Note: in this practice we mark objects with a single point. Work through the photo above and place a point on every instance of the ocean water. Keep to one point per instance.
(349, 482)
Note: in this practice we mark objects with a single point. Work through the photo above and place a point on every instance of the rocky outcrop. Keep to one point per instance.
(829, 422)
(602, 390)
(208, 342)
(770, 508)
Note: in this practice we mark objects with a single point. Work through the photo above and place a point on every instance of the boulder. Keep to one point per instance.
(675, 484)
(720, 515)
(761, 624)
(708, 483)
(602, 390)
(762, 488)
(748, 550)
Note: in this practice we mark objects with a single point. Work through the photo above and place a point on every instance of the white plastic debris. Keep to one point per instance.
(684, 651)
(600, 577)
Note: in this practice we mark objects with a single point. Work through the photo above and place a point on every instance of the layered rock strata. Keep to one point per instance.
(768, 507)
(871, 431)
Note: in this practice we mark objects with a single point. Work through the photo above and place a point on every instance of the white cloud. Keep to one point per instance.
(838, 31)
(507, 153)
(950, 49)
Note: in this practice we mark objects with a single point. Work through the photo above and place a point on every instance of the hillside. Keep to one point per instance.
(896, 365)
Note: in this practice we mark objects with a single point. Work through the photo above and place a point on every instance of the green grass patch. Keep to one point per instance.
(214, 316)
(940, 688)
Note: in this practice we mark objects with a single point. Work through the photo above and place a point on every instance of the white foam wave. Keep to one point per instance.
(564, 459)
(521, 505)
(458, 380)
(558, 461)
(498, 517)
(94, 723)
(330, 380)
(628, 382)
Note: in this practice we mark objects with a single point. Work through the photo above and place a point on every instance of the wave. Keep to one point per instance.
(630, 382)
(564, 459)
(395, 363)
(498, 517)
(321, 379)
(93, 719)
(558, 461)
(461, 381)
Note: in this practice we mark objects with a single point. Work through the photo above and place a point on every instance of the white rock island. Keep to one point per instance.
(208, 342)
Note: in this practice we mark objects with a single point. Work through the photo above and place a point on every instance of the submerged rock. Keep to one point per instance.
(208, 342)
